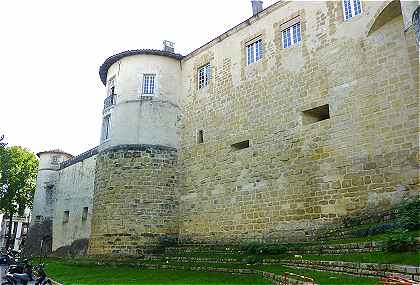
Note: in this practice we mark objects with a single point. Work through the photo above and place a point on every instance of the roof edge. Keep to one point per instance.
(54, 151)
(238, 27)
(103, 70)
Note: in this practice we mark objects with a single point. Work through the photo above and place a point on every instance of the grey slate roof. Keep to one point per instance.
(103, 70)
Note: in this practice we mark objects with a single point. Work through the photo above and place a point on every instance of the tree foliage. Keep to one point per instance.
(2, 143)
(18, 171)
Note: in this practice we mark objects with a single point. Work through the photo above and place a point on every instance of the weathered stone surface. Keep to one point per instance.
(295, 178)
(135, 203)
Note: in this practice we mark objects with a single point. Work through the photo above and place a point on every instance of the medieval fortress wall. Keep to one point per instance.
(267, 151)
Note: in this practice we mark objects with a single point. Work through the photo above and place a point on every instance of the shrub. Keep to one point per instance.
(251, 260)
(409, 213)
(264, 249)
(400, 241)
(374, 230)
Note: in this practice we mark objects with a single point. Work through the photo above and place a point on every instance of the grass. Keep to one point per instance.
(408, 258)
(321, 278)
(72, 274)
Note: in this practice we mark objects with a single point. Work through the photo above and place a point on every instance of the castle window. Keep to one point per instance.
(54, 160)
(200, 136)
(85, 214)
(317, 114)
(66, 217)
(203, 76)
(111, 86)
(351, 8)
(240, 145)
(254, 51)
(38, 219)
(291, 35)
(149, 84)
(106, 125)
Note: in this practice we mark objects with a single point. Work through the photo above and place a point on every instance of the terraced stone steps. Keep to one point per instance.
(353, 268)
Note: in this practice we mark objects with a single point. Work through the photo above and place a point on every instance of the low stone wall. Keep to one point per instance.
(361, 269)
(353, 268)
(371, 246)
(356, 247)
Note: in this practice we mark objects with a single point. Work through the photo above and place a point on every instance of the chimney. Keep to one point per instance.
(168, 46)
(257, 6)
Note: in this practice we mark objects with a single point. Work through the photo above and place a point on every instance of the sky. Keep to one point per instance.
(51, 95)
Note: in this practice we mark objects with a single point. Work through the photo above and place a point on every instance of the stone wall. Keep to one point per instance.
(135, 203)
(296, 177)
(74, 200)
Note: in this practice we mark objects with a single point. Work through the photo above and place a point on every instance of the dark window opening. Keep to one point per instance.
(66, 217)
(241, 145)
(85, 214)
(200, 136)
(38, 219)
(317, 114)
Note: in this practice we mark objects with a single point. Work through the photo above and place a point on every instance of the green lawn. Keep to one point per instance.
(69, 273)
(321, 278)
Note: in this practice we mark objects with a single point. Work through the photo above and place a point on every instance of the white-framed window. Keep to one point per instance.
(291, 35)
(203, 76)
(106, 126)
(352, 8)
(149, 84)
(254, 51)
(111, 87)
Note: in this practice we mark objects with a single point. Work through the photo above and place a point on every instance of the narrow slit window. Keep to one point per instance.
(66, 217)
(240, 145)
(106, 126)
(149, 84)
(317, 114)
(85, 214)
(200, 136)
(254, 51)
(111, 86)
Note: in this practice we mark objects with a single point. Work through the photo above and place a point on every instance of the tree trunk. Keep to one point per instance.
(9, 232)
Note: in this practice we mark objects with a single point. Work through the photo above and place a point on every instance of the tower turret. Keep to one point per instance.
(45, 199)
(134, 204)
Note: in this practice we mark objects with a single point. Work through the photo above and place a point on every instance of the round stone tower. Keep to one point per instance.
(134, 204)
(45, 199)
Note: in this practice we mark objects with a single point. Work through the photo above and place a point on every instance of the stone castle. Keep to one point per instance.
(302, 115)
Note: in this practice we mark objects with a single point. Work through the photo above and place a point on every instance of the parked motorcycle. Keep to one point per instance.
(36, 273)
(18, 266)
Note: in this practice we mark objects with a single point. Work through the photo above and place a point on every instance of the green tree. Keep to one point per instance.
(2, 143)
(18, 171)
